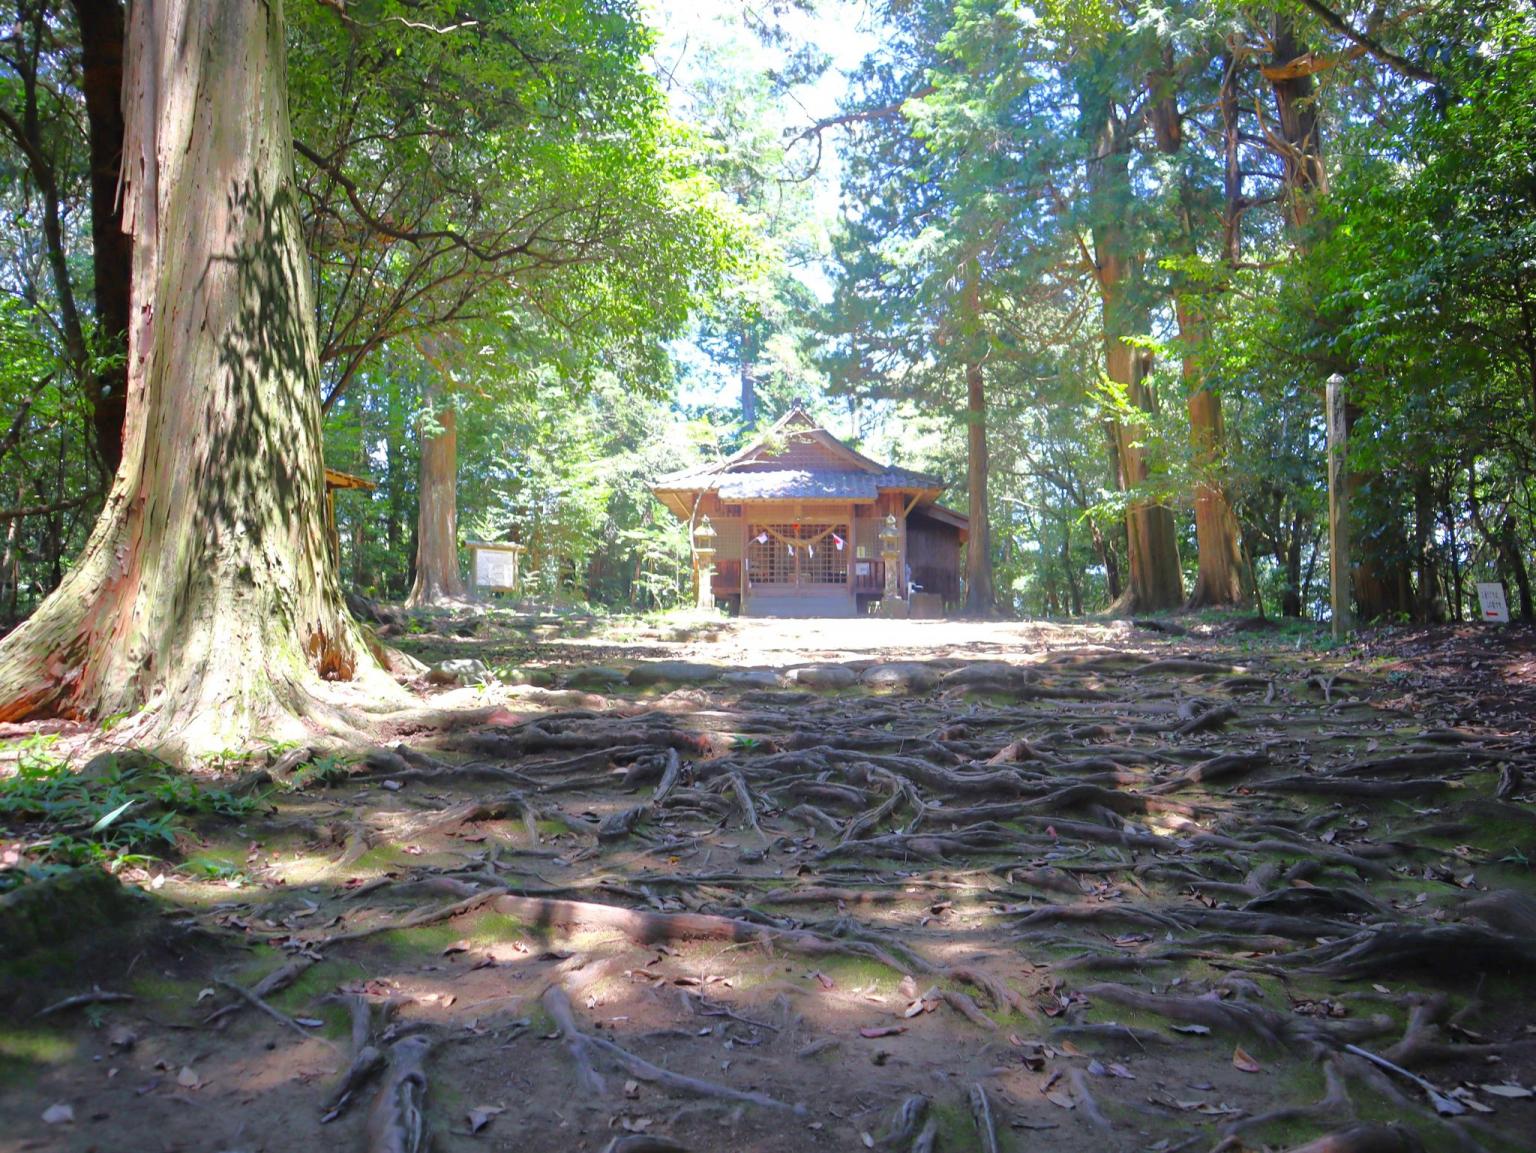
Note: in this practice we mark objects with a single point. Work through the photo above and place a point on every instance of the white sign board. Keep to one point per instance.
(495, 568)
(1491, 597)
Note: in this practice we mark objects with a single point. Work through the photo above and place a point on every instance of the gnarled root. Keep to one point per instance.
(397, 1121)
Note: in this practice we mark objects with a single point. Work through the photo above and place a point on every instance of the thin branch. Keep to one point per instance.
(1399, 64)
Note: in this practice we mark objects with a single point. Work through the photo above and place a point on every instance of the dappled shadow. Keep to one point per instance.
(1080, 880)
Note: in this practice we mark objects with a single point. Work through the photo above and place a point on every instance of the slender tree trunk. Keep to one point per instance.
(1074, 585)
(437, 506)
(748, 383)
(1219, 577)
(980, 597)
(101, 40)
(1219, 580)
(1382, 577)
(205, 596)
(1514, 559)
(1152, 544)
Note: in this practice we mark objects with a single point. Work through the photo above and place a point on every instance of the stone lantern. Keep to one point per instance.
(704, 551)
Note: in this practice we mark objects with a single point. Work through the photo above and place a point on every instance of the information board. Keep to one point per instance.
(1491, 598)
(495, 568)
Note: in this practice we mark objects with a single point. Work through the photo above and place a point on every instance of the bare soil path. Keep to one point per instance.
(768, 886)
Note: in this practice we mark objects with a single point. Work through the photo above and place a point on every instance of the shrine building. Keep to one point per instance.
(801, 525)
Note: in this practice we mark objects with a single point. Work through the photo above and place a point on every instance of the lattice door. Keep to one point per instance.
(774, 561)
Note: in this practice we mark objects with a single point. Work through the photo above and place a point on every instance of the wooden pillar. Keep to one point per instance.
(1338, 512)
(331, 531)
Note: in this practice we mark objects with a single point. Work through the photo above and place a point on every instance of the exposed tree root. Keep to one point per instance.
(1364, 1139)
(581, 1046)
(1456, 948)
(397, 1119)
(981, 1113)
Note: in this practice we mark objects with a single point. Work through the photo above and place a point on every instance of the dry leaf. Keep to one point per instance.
(481, 1117)
(1196, 1030)
(188, 1078)
(1066, 1048)
(631, 1089)
(60, 1114)
(1512, 1091)
(1057, 1097)
(872, 1031)
(1243, 1062)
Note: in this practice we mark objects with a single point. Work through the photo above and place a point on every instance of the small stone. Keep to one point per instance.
(986, 674)
(823, 677)
(678, 672)
(751, 678)
(595, 677)
(60, 1114)
(908, 675)
(461, 671)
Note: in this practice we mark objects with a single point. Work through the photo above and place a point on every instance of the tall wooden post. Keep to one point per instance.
(1338, 512)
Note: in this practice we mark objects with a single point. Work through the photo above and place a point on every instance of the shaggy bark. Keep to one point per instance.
(1152, 545)
(204, 595)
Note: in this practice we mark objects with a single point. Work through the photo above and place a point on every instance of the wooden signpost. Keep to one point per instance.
(1338, 512)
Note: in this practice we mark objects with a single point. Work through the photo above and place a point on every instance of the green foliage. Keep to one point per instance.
(129, 812)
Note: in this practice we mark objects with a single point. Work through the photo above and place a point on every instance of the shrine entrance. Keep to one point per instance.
(798, 569)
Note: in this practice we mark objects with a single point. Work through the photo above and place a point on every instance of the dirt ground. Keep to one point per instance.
(836, 885)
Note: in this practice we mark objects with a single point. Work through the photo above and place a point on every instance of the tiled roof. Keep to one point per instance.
(795, 484)
(797, 471)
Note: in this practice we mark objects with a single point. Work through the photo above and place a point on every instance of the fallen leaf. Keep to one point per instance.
(1197, 1030)
(1512, 1091)
(1222, 1110)
(188, 1078)
(204, 994)
(631, 1089)
(826, 981)
(1057, 1097)
(1122, 1072)
(482, 1116)
(1244, 1063)
(872, 1031)
(60, 1114)
(1069, 1050)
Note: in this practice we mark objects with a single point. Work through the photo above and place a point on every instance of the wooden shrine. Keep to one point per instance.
(799, 524)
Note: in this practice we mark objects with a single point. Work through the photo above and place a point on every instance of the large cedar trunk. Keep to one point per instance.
(437, 512)
(205, 600)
